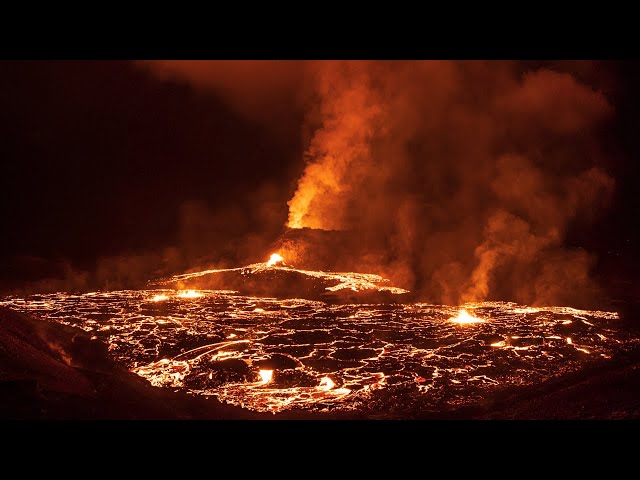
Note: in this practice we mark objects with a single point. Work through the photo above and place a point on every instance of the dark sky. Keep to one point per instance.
(617, 233)
(100, 157)
(106, 160)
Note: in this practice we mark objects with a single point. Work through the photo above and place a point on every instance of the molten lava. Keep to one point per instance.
(326, 383)
(275, 259)
(464, 317)
(189, 294)
(266, 376)
(270, 355)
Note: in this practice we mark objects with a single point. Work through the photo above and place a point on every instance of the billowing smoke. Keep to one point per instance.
(340, 152)
(464, 175)
(458, 180)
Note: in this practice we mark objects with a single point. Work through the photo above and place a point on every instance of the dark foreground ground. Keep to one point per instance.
(51, 371)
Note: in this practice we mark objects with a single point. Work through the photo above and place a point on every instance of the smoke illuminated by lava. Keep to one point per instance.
(458, 180)
(465, 174)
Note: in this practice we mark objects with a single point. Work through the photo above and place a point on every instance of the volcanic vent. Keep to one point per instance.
(276, 278)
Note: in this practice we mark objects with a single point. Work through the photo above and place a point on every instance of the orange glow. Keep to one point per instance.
(352, 113)
(189, 294)
(275, 259)
(514, 348)
(344, 280)
(266, 376)
(326, 383)
(160, 298)
(464, 318)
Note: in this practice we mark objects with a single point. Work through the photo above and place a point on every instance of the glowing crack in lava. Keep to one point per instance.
(270, 355)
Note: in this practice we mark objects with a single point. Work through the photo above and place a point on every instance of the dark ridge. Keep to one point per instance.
(52, 371)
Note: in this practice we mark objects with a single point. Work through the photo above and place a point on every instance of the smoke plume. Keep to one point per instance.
(456, 179)
(465, 175)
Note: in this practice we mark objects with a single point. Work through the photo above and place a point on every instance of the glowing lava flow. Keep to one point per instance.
(189, 294)
(326, 384)
(464, 318)
(274, 259)
(266, 376)
(270, 355)
(160, 298)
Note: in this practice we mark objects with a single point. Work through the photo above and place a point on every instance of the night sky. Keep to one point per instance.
(100, 157)
(105, 161)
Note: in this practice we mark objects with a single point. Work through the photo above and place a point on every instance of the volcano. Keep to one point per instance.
(320, 239)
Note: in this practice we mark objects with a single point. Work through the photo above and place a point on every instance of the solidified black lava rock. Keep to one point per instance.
(212, 374)
(277, 361)
(294, 378)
